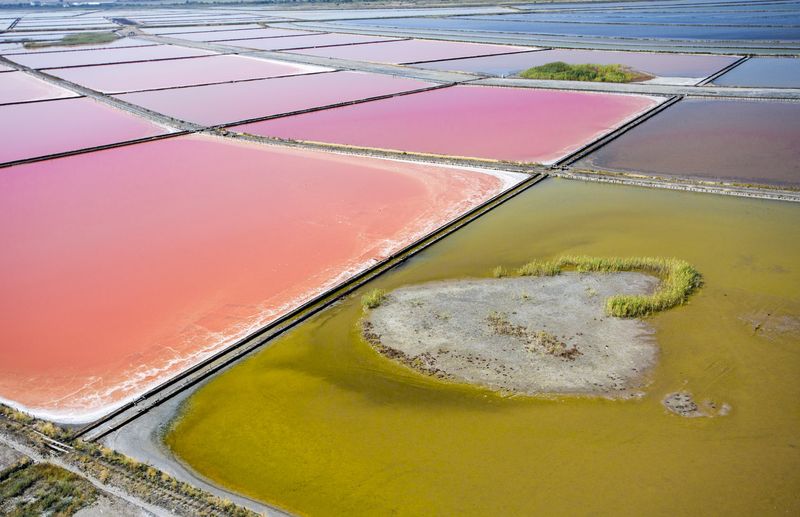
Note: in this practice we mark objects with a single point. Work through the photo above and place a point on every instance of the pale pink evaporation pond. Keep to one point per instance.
(225, 103)
(41, 128)
(180, 72)
(239, 34)
(518, 124)
(21, 87)
(100, 56)
(316, 40)
(410, 51)
(168, 31)
(130, 264)
(117, 43)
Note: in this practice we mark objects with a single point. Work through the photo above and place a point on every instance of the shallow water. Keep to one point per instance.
(125, 266)
(116, 55)
(499, 23)
(21, 87)
(767, 72)
(297, 42)
(410, 51)
(320, 424)
(501, 123)
(231, 102)
(239, 34)
(740, 141)
(56, 126)
(127, 77)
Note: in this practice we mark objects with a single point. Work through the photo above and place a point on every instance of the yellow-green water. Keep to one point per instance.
(319, 424)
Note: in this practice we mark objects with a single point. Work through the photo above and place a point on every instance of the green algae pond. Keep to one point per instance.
(320, 424)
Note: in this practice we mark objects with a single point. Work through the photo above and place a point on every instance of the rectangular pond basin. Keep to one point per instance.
(240, 34)
(411, 51)
(168, 31)
(518, 124)
(122, 267)
(318, 423)
(764, 72)
(231, 102)
(21, 87)
(40, 128)
(500, 23)
(663, 65)
(128, 77)
(101, 56)
(311, 41)
(118, 43)
(719, 140)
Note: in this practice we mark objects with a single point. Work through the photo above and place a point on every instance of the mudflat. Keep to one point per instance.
(524, 335)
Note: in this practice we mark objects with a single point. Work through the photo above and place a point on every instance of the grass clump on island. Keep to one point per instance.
(373, 298)
(585, 72)
(678, 280)
(84, 38)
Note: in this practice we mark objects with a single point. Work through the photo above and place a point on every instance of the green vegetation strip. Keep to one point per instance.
(678, 280)
(85, 38)
(585, 72)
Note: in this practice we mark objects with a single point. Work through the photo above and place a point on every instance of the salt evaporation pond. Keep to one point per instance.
(239, 34)
(168, 31)
(94, 57)
(129, 77)
(117, 43)
(49, 127)
(721, 140)
(659, 64)
(764, 72)
(318, 423)
(122, 267)
(410, 51)
(231, 102)
(517, 124)
(498, 23)
(299, 42)
(21, 87)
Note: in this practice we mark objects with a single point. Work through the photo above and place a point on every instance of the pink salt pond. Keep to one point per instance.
(42, 128)
(410, 51)
(226, 103)
(117, 43)
(239, 34)
(129, 77)
(316, 40)
(116, 55)
(517, 124)
(122, 267)
(21, 87)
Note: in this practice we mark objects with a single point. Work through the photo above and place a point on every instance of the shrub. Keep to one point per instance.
(499, 272)
(373, 298)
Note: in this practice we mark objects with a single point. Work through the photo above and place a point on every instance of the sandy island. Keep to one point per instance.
(523, 335)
